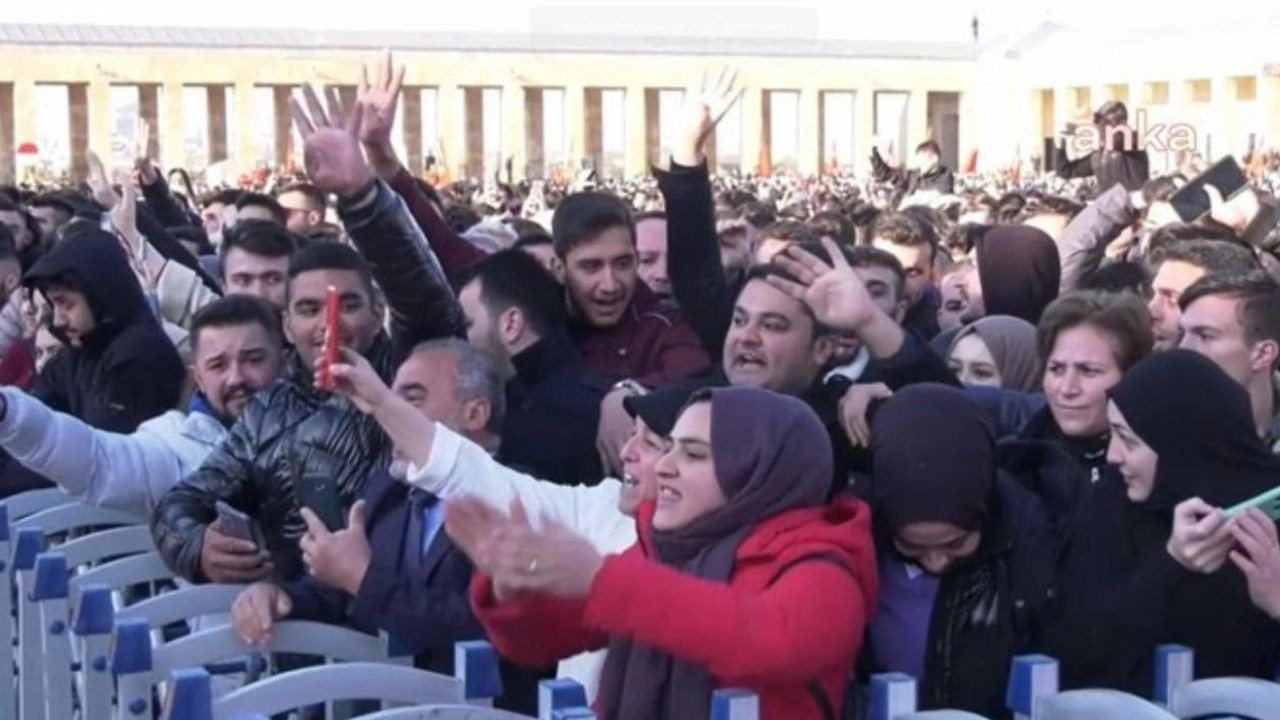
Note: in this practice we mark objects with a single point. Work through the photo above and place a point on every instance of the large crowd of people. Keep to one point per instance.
(676, 433)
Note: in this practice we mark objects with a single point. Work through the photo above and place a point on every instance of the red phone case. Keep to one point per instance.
(330, 338)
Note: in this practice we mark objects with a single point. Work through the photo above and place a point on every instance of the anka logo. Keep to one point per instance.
(1141, 135)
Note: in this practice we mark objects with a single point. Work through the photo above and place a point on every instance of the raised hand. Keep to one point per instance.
(331, 144)
(338, 558)
(833, 291)
(705, 104)
(142, 154)
(99, 183)
(377, 101)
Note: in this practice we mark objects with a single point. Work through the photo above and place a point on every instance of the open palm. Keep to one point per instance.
(833, 291)
(331, 146)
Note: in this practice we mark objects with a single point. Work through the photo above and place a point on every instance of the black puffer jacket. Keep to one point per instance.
(125, 370)
(292, 427)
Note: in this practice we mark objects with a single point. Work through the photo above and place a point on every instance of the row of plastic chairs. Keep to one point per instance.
(1033, 694)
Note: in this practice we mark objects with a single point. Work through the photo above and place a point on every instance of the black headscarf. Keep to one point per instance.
(1200, 424)
(1019, 269)
(771, 454)
(933, 459)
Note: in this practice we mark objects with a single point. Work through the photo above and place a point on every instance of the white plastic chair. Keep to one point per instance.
(34, 501)
(1097, 705)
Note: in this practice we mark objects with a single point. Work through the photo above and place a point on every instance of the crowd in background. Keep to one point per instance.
(675, 433)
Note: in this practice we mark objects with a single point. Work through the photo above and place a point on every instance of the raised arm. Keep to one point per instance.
(697, 275)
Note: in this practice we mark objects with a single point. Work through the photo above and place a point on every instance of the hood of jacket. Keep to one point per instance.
(94, 263)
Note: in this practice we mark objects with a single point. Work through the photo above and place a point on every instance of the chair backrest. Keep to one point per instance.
(1243, 697)
(182, 604)
(50, 594)
(7, 706)
(28, 543)
(1031, 677)
(734, 704)
(892, 695)
(343, 681)
(1095, 704)
(107, 545)
(556, 695)
(123, 573)
(34, 501)
(94, 620)
(942, 715)
(444, 712)
(75, 516)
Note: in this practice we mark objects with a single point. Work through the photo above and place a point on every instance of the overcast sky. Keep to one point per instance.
(931, 20)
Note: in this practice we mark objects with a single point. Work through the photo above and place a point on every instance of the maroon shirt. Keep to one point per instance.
(651, 344)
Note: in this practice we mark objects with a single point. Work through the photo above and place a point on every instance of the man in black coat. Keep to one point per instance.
(393, 568)
(295, 431)
(1116, 159)
(515, 312)
(118, 367)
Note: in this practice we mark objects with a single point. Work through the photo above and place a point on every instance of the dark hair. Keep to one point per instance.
(331, 256)
(791, 231)
(1057, 205)
(1123, 316)
(1118, 277)
(33, 227)
(320, 232)
(260, 237)
(528, 233)
(461, 218)
(513, 278)
(1215, 257)
(230, 196)
(254, 199)
(835, 226)
(1111, 112)
(1258, 311)
(582, 216)
(315, 198)
(237, 310)
(57, 201)
(1178, 231)
(1009, 208)
(903, 229)
(930, 146)
(759, 215)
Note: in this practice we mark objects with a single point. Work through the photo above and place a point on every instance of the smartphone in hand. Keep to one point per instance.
(331, 310)
(235, 523)
(1191, 201)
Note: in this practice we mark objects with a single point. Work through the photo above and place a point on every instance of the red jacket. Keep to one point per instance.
(651, 344)
(803, 585)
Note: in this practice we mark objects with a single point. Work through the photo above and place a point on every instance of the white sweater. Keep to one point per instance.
(459, 467)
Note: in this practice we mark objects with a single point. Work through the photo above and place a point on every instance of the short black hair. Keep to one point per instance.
(790, 231)
(316, 199)
(528, 233)
(237, 310)
(906, 230)
(331, 256)
(229, 196)
(582, 216)
(55, 200)
(1173, 232)
(461, 218)
(930, 146)
(260, 237)
(1215, 257)
(255, 199)
(1118, 277)
(868, 256)
(513, 278)
(1259, 310)
(835, 226)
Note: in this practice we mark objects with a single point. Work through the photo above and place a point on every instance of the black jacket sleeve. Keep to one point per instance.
(161, 202)
(181, 516)
(914, 363)
(697, 275)
(881, 172)
(1067, 168)
(172, 250)
(423, 306)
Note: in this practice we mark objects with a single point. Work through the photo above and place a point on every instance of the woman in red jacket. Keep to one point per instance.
(741, 577)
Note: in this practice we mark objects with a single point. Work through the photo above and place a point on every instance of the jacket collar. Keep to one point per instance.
(544, 358)
(378, 355)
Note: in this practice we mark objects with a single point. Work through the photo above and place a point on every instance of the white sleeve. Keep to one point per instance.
(459, 467)
(105, 469)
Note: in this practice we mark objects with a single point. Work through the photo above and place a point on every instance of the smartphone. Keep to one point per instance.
(1268, 502)
(319, 493)
(234, 523)
(1191, 201)
(330, 338)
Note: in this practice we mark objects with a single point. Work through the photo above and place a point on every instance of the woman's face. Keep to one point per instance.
(1081, 368)
(1134, 457)
(972, 363)
(934, 546)
(640, 454)
(686, 474)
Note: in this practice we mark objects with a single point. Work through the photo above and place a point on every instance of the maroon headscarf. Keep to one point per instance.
(1019, 270)
(771, 455)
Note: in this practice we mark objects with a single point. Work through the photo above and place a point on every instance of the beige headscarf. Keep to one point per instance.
(1012, 343)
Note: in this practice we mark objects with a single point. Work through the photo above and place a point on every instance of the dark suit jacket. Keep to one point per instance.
(424, 612)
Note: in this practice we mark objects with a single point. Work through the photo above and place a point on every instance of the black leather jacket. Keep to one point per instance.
(293, 427)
